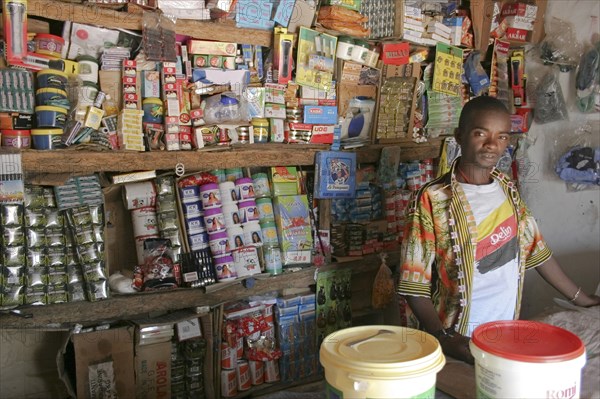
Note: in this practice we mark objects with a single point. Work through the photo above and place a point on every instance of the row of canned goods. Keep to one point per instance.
(246, 373)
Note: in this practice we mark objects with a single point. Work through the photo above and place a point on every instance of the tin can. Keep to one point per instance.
(248, 211)
(245, 187)
(139, 246)
(232, 174)
(243, 375)
(144, 221)
(261, 185)
(214, 220)
(271, 371)
(257, 372)
(228, 383)
(260, 127)
(228, 356)
(223, 136)
(243, 134)
(229, 62)
(210, 195)
(265, 210)
(246, 261)
(273, 264)
(229, 192)
(252, 234)
(219, 243)
(269, 233)
(230, 214)
(139, 195)
(225, 270)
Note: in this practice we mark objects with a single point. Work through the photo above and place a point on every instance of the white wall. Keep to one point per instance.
(569, 220)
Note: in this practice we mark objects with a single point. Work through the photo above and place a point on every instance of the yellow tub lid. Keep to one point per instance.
(40, 108)
(52, 72)
(395, 352)
(39, 132)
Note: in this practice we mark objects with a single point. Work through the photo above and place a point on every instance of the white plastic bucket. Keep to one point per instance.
(526, 359)
(389, 362)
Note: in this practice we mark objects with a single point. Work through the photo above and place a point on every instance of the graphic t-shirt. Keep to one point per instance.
(495, 277)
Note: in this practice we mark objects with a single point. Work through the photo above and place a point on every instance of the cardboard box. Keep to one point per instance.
(395, 53)
(99, 364)
(153, 371)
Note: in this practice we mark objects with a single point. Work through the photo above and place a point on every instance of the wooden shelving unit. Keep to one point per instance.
(64, 316)
(225, 31)
(252, 155)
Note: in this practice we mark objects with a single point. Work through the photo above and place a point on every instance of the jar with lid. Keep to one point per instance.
(360, 52)
(260, 127)
(345, 48)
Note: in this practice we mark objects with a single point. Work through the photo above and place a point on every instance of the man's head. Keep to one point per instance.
(483, 132)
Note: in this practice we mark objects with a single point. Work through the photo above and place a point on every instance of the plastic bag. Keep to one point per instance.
(587, 81)
(550, 105)
(579, 159)
(560, 46)
(383, 286)
(221, 108)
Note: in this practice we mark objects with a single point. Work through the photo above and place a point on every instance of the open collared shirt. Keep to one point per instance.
(440, 239)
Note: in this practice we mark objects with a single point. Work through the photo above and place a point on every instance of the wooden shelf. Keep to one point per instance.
(91, 14)
(63, 316)
(251, 155)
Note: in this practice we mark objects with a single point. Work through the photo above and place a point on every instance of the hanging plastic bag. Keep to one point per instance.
(587, 81)
(579, 159)
(560, 46)
(383, 286)
(550, 105)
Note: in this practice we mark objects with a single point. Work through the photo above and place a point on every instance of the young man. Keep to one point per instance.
(469, 238)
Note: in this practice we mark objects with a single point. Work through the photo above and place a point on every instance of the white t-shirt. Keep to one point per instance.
(496, 272)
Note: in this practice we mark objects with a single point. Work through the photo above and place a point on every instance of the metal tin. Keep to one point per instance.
(243, 134)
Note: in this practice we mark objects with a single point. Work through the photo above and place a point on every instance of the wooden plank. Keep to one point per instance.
(251, 155)
(101, 16)
(121, 307)
(481, 16)
(457, 379)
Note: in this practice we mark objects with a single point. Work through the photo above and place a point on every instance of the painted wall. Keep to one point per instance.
(569, 220)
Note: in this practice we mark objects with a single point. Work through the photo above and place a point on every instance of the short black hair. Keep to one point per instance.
(476, 105)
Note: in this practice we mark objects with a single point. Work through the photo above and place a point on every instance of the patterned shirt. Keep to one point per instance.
(440, 242)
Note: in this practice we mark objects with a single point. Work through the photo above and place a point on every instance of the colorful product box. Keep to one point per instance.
(150, 84)
(208, 47)
(320, 115)
(395, 53)
(284, 180)
(292, 216)
(519, 9)
(517, 35)
(322, 134)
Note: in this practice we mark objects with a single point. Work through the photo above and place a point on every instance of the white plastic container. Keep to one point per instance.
(526, 359)
(388, 362)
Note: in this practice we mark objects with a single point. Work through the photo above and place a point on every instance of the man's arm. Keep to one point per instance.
(453, 344)
(556, 277)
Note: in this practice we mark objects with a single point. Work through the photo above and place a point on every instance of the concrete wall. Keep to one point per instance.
(569, 220)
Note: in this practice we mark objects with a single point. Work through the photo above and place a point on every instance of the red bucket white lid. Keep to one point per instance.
(527, 341)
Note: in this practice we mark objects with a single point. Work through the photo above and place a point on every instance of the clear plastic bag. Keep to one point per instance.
(560, 46)
(383, 286)
(546, 93)
(578, 155)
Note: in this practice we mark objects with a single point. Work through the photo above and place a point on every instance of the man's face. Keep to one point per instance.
(486, 137)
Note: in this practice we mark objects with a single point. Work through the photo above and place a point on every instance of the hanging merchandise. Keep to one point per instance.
(333, 302)
(587, 81)
(499, 71)
(447, 73)
(476, 76)
(383, 286)
(579, 162)
(315, 58)
(560, 46)
(158, 37)
(550, 105)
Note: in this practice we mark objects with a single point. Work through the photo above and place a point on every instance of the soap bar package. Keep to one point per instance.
(292, 215)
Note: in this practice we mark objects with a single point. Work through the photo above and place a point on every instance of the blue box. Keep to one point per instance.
(320, 114)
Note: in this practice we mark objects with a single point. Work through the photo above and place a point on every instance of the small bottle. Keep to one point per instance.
(110, 106)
